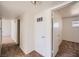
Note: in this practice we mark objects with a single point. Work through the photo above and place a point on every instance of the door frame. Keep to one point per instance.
(18, 32)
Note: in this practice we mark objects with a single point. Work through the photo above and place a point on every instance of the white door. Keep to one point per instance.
(41, 41)
(43, 33)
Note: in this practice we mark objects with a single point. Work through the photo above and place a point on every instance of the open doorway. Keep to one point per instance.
(11, 38)
(66, 31)
(9, 31)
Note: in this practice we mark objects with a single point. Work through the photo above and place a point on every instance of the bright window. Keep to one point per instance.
(75, 23)
(56, 25)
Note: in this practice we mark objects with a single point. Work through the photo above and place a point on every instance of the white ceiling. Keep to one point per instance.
(71, 10)
(13, 9)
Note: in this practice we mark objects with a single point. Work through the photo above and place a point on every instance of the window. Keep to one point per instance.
(56, 25)
(75, 23)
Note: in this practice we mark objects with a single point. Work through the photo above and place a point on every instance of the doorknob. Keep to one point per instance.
(43, 37)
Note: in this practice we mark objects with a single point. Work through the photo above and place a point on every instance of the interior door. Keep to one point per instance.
(42, 45)
(41, 38)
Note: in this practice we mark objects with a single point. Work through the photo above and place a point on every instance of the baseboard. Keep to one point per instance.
(32, 52)
(39, 53)
(26, 52)
(72, 41)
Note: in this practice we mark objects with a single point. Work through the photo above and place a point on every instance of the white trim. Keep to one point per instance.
(26, 52)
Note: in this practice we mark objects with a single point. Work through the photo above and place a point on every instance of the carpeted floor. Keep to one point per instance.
(68, 49)
(12, 50)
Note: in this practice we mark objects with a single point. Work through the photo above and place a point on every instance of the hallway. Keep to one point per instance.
(33, 31)
(7, 40)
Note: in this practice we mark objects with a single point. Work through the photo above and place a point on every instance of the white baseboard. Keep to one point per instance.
(26, 52)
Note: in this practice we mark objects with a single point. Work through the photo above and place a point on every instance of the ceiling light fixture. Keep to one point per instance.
(35, 3)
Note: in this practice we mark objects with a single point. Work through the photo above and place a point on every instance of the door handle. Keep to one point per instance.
(43, 37)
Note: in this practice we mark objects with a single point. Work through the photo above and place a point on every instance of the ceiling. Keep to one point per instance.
(13, 9)
(71, 10)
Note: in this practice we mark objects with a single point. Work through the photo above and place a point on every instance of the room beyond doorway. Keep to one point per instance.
(9, 31)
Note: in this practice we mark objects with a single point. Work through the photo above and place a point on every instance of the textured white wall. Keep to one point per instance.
(26, 37)
(57, 31)
(9, 28)
(6, 28)
(70, 33)
(14, 30)
(71, 10)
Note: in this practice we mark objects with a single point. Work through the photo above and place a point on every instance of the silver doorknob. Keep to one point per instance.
(43, 37)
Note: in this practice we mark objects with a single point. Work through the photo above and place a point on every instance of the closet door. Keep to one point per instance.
(0, 35)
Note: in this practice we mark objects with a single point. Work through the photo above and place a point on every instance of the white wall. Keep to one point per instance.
(6, 28)
(71, 10)
(57, 31)
(42, 32)
(70, 33)
(26, 37)
(9, 28)
(70, 13)
(14, 30)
